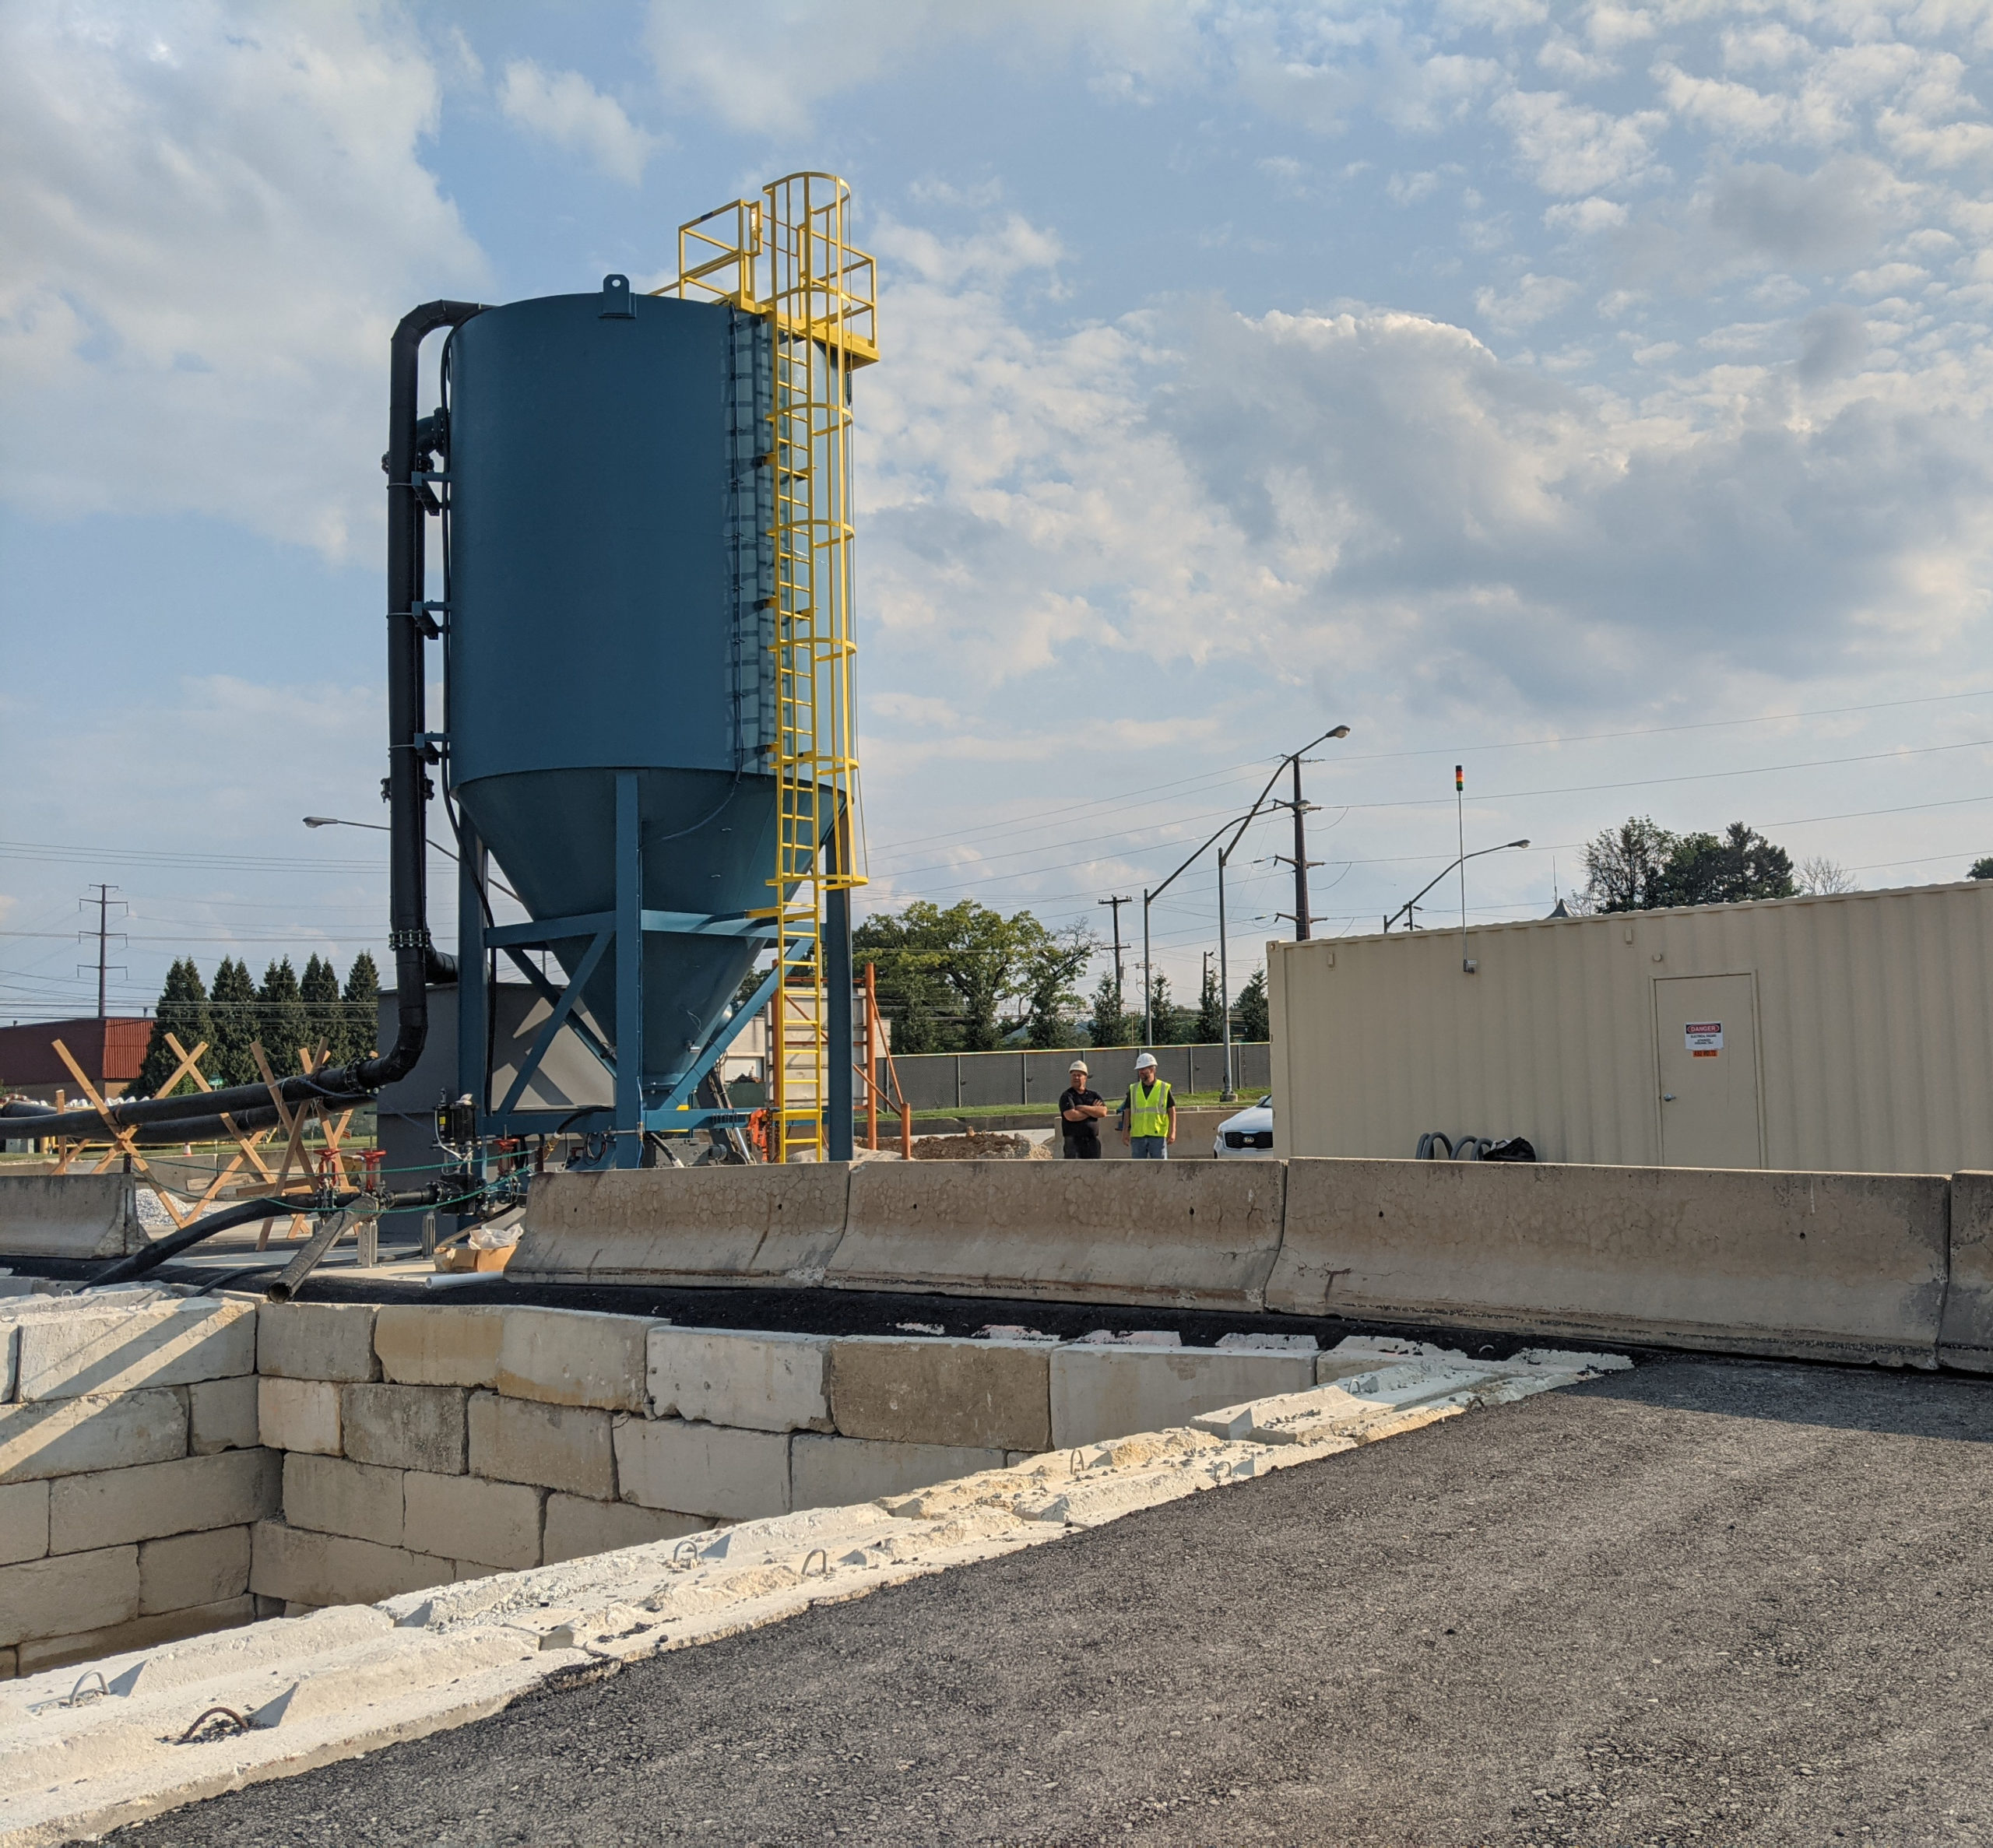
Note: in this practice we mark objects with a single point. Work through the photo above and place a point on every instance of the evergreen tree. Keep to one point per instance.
(363, 1010)
(324, 1013)
(1249, 1014)
(1210, 1027)
(1109, 1024)
(183, 1011)
(232, 1008)
(281, 1022)
(1165, 1027)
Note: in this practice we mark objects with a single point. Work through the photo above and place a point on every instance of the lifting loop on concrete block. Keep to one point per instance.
(684, 1555)
(817, 1553)
(221, 1723)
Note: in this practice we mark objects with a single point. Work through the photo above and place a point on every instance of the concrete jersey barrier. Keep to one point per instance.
(1965, 1339)
(68, 1215)
(1200, 1235)
(774, 1225)
(1829, 1266)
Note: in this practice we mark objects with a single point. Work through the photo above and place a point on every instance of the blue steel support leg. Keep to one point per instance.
(629, 975)
(837, 983)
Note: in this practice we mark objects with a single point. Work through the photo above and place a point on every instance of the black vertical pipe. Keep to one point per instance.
(408, 783)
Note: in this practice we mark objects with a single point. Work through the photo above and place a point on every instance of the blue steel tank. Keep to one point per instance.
(610, 586)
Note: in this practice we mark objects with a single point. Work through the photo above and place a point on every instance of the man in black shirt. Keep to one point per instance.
(1079, 1112)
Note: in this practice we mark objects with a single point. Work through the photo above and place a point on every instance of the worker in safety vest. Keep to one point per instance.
(1148, 1113)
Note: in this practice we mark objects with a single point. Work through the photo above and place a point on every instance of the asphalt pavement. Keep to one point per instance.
(1706, 1602)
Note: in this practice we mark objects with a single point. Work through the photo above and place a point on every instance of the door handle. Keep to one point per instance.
(1668, 1097)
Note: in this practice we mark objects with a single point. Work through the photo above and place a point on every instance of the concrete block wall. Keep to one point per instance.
(458, 1440)
(171, 1466)
(131, 1475)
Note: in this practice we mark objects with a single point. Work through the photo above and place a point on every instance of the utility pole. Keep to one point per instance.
(1301, 914)
(1120, 994)
(103, 933)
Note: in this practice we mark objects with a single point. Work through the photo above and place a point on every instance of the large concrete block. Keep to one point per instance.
(774, 1225)
(1965, 1339)
(554, 1446)
(141, 1632)
(111, 1350)
(405, 1426)
(59, 1596)
(299, 1414)
(222, 1415)
(490, 1523)
(757, 1381)
(576, 1527)
(440, 1343)
(330, 1569)
(191, 1569)
(330, 1496)
(1829, 1266)
(1186, 1234)
(569, 1357)
(316, 1340)
(986, 1395)
(64, 1437)
(23, 1521)
(68, 1215)
(702, 1469)
(230, 1490)
(828, 1472)
(1099, 1393)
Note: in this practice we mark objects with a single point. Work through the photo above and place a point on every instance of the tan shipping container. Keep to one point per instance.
(1852, 1032)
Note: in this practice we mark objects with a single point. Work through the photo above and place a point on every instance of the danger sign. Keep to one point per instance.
(1703, 1038)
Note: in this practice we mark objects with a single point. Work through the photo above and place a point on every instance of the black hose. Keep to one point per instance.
(156, 1253)
(247, 1213)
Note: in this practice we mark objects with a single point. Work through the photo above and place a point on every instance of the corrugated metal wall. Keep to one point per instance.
(1875, 1031)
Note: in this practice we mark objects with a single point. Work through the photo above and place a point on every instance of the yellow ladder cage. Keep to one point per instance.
(786, 256)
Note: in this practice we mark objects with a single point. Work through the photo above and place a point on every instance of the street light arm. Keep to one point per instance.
(1461, 862)
(434, 846)
(1259, 802)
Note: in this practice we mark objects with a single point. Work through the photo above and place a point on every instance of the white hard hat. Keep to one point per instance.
(1145, 1063)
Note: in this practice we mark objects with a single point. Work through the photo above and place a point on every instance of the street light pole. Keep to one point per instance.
(1228, 1094)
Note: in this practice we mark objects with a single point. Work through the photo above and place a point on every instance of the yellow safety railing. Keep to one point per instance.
(787, 257)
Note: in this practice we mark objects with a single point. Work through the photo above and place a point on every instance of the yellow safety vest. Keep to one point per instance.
(1148, 1113)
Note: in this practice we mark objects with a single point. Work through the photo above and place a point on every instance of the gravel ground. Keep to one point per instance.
(1707, 1602)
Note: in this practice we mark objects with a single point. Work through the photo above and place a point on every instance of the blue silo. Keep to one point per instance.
(610, 706)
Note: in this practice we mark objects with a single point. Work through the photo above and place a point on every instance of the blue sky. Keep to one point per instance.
(1595, 396)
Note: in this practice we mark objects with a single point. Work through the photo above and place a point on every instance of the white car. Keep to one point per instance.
(1250, 1133)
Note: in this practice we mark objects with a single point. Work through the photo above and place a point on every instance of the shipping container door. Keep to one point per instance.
(1706, 1029)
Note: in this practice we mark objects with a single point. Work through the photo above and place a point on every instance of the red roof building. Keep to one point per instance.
(109, 1051)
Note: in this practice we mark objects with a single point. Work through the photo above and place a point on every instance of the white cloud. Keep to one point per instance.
(1571, 148)
(1587, 216)
(1375, 492)
(570, 111)
(1533, 299)
(756, 62)
(213, 218)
